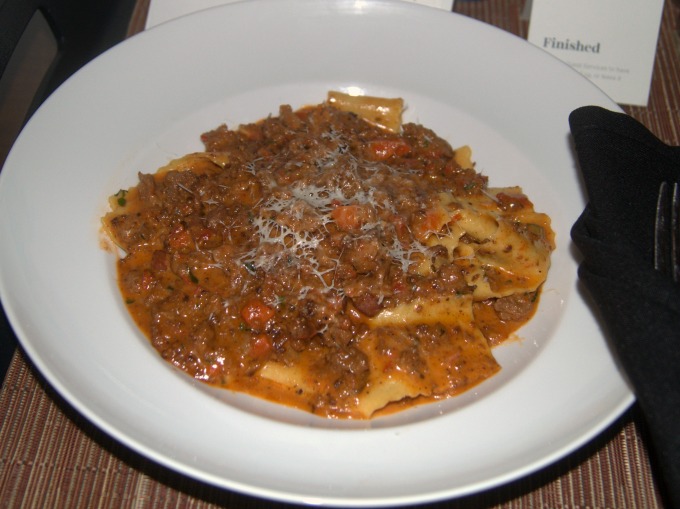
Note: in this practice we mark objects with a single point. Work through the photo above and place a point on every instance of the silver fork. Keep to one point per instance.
(667, 231)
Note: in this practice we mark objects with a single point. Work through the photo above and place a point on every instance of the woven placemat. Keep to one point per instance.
(50, 456)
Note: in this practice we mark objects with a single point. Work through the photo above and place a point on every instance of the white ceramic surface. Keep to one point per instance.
(148, 99)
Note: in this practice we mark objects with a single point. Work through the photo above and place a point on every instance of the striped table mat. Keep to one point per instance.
(50, 456)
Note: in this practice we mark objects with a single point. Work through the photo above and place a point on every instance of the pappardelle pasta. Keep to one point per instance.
(330, 258)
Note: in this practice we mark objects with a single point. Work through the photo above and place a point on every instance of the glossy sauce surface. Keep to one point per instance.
(300, 259)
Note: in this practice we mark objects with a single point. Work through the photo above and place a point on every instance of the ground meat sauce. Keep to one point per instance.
(280, 243)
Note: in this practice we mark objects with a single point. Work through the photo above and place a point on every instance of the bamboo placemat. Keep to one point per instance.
(50, 456)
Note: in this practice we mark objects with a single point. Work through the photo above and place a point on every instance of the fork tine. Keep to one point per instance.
(675, 232)
(662, 246)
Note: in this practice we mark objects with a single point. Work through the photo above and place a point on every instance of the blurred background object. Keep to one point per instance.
(42, 43)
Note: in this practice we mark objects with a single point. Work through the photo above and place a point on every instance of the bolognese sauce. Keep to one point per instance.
(320, 260)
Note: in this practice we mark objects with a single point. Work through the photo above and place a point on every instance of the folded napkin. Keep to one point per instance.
(622, 165)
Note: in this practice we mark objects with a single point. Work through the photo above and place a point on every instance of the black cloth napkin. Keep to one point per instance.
(622, 165)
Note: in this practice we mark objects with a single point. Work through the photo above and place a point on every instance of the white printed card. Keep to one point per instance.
(611, 42)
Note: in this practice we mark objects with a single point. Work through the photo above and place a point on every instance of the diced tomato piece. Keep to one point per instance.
(260, 346)
(379, 150)
(180, 239)
(256, 314)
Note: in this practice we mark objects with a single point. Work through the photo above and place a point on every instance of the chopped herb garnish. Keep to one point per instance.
(193, 278)
(121, 197)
